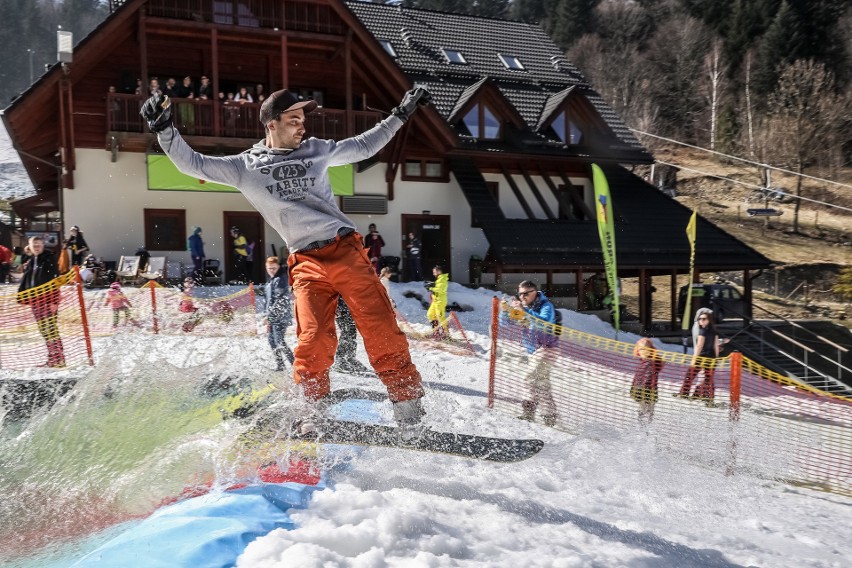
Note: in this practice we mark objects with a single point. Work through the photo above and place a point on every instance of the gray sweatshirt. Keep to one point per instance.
(290, 188)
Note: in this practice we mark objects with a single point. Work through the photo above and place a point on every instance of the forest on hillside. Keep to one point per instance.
(768, 80)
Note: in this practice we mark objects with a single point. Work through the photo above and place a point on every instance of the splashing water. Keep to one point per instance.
(133, 433)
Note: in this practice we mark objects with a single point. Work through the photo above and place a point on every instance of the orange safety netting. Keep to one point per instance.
(729, 413)
(155, 309)
(45, 326)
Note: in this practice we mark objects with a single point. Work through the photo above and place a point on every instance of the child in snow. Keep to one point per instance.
(644, 387)
(385, 278)
(187, 306)
(116, 299)
(438, 308)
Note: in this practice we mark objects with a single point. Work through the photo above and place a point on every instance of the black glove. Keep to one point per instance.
(157, 112)
(412, 99)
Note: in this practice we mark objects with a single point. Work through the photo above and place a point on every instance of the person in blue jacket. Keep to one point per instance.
(196, 251)
(278, 311)
(540, 341)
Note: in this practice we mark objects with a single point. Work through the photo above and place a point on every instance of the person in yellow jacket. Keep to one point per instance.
(438, 308)
(240, 255)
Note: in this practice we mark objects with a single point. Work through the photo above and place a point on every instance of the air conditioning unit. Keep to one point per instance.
(365, 204)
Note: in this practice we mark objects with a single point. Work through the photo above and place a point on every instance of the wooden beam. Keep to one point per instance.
(564, 203)
(517, 191)
(214, 54)
(673, 300)
(347, 63)
(538, 196)
(285, 76)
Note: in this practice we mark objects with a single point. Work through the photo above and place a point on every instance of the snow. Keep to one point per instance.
(14, 182)
(597, 498)
(585, 500)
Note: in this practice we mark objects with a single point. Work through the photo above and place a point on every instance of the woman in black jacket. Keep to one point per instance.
(42, 298)
(77, 245)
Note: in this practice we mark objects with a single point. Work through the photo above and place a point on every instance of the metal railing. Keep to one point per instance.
(803, 348)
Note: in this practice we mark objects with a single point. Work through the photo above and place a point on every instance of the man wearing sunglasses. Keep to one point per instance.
(539, 339)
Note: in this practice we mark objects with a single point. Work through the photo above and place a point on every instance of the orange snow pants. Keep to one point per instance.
(318, 277)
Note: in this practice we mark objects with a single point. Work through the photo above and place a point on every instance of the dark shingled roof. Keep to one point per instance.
(418, 37)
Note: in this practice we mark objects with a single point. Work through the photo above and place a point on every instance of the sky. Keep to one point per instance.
(593, 498)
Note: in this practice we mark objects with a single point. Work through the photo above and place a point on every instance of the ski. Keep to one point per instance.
(504, 450)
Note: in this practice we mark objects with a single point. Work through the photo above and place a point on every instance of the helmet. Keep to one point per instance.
(115, 286)
(235, 229)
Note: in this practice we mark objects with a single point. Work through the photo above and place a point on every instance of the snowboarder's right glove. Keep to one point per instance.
(412, 99)
(157, 112)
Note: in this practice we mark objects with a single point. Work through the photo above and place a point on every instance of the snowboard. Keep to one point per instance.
(334, 431)
(504, 450)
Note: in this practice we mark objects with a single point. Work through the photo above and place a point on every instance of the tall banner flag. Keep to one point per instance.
(690, 234)
(606, 231)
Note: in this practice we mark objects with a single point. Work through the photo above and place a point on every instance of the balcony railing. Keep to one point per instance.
(196, 117)
(283, 14)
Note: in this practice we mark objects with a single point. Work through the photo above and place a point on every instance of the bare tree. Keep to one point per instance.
(715, 71)
(803, 112)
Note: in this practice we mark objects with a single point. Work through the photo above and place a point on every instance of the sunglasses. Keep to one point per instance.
(528, 292)
(703, 318)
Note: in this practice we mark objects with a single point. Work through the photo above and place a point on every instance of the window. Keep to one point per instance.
(454, 56)
(425, 170)
(481, 123)
(388, 46)
(165, 229)
(494, 189)
(566, 129)
(511, 62)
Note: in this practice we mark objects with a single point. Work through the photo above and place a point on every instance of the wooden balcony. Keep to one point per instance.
(205, 118)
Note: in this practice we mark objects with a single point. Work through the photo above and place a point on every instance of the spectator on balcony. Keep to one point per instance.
(185, 90)
(186, 111)
(243, 96)
(259, 93)
(154, 87)
(169, 88)
(205, 89)
(139, 88)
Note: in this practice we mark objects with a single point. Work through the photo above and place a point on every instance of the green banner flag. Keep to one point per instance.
(606, 231)
(690, 234)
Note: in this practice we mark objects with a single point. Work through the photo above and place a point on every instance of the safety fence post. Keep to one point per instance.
(734, 410)
(150, 285)
(83, 318)
(492, 367)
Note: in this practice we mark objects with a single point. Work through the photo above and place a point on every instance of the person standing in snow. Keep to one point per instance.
(540, 341)
(278, 312)
(644, 387)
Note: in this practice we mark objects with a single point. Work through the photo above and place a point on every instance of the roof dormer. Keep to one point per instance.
(481, 112)
(569, 117)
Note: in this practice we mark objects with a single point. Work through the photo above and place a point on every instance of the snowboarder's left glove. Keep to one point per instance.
(412, 99)
(157, 112)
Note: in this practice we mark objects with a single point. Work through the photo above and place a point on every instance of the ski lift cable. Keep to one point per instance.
(741, 159)
(759, 187)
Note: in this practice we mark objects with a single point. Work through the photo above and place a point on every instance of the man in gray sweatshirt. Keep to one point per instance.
(285, 177)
